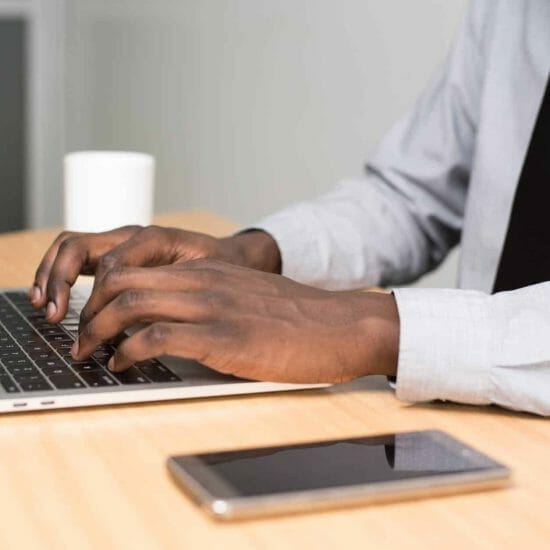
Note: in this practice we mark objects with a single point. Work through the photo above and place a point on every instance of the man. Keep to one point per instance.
(470, 161)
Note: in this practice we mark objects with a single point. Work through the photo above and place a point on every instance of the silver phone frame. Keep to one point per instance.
(222, 502)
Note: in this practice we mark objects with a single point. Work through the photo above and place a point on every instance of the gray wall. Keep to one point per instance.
(12, 123)
(249, 104)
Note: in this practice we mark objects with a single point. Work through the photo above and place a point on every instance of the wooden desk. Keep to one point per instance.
(96, 478)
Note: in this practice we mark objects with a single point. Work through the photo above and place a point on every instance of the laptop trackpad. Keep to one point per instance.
(194, 373)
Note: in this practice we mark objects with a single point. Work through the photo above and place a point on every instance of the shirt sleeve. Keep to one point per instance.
(399, 220)
(471, 347)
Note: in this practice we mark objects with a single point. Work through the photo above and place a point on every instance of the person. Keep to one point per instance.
(470, 162)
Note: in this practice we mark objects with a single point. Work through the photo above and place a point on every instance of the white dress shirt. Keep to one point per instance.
(446, 172)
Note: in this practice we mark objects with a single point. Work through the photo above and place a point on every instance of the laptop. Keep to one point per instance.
(37, 371)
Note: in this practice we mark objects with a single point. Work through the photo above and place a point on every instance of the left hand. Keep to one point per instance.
(243, 322)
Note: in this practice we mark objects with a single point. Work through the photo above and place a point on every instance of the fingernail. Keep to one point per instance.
(51, 310)
(35, 293)
(74, 349)
(111, 364)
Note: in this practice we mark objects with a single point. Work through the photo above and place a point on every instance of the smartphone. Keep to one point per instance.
(291, 478)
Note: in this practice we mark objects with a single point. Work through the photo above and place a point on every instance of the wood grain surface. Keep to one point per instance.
(96, 478)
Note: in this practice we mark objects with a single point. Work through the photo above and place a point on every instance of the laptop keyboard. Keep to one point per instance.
(35, 355)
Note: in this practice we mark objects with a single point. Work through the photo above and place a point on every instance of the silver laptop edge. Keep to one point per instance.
(199, 381)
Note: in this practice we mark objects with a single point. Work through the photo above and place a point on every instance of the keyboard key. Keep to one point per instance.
(15, 361)
(66, 381)
(147, 363)
(102, 353)
(72, 331)
(55, 370)
(10, 318)
(37, 348)
(54, 362)
(33, 383)
(31, 340)
(131, 376)
(96, 379)
(39, 323)
(11, 354)
(44, 355)
(8, 343)
(157, 372)
(35, 318)
(8, 384)
(50, 330)
(52, 339)
(85, 366)
(24, 302)
(16, 295)
(11, 347)
(23, 334)
(62, 347)
(102, 357)
(105, 347)
(46, 361)
(27, 369)
(21, 328)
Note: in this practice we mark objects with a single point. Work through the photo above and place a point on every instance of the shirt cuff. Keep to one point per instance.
(444, 347)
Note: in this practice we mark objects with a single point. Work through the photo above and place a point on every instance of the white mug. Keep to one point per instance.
(108, 189)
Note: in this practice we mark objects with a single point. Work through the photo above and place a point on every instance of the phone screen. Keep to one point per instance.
(342, 463)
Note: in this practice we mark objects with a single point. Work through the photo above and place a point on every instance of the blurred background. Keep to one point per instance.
(247, 105)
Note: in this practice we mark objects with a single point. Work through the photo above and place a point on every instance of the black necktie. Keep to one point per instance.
(525, 258)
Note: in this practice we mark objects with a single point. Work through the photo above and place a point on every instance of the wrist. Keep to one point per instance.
(378, 333)
(256, 249)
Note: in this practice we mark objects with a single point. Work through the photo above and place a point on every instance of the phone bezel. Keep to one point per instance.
(222, 501)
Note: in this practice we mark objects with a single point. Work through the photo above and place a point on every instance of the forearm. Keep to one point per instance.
(399, 221)
(377, 331)
(359, 235)
(470, 347)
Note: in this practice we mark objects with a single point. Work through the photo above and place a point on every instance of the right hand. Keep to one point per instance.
(73, 254)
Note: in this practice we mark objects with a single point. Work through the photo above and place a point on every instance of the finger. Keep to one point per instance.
(75, 255)
(37, 293)
(133, 306)
(120, 280)
(181, 340)
(169, 278)
(151, 246)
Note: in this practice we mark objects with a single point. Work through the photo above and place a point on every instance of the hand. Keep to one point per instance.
(72, 254)
(242, 322)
